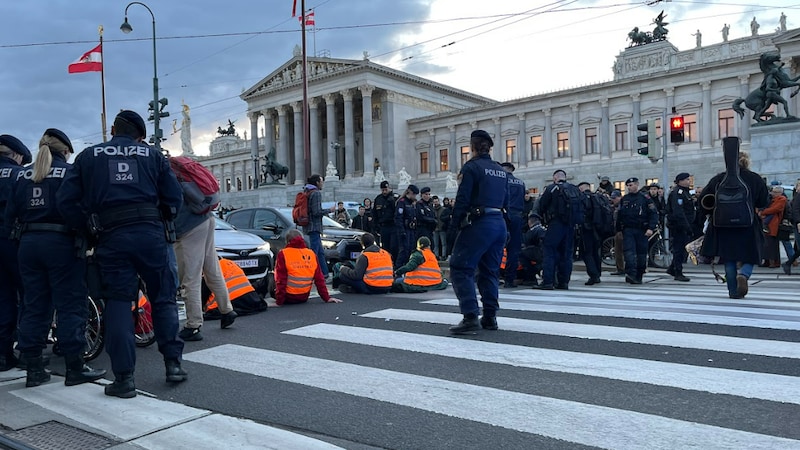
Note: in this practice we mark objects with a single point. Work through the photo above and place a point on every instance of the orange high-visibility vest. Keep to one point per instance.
(426, 274)
(235, 280)
(301, 264)
(379, 272)
(503, 261)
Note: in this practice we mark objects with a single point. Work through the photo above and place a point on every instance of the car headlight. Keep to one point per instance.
(264, 247)
(328, 244)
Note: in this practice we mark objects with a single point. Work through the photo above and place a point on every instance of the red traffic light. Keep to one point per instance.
(676, 129)
(676, 123)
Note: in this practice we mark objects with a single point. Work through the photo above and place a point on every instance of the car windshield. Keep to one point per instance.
(220, 224)
(326, 221)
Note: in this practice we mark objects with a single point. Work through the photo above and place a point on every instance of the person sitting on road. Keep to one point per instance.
(372, 273)
(421, 273)
(243, 295)
(296, 268)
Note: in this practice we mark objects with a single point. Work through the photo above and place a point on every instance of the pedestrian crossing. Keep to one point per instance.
(529, 316)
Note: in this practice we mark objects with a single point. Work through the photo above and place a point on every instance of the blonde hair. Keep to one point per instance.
(44, 159)
(744, 160)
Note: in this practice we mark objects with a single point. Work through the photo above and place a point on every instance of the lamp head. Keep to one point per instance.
(126, 27)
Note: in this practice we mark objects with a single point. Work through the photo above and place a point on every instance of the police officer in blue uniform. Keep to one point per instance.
(383, 213)
(480, 224)
(559, 240)
(129, 195)
(426, 216)
(638, 219)
(516, 203)
(680, 217)
(52, 265)
(13, 155)
(405, 221)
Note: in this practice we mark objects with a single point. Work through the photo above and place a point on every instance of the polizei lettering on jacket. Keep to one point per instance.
(499, 173)
(55, 172)
(130, 150)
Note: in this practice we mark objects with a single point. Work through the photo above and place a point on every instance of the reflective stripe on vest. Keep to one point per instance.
(427, 273)
(235, 281)
(379, 272)
(301, 264)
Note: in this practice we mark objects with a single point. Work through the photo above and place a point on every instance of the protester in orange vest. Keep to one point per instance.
(296, 269)
(422, 272)
(242, 294)
(372, 273)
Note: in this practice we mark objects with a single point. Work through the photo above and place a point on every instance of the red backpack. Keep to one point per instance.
(300, 209)
(188, 170)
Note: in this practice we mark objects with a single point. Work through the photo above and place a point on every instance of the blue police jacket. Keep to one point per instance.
(36, 202)
(117, 173)
(516, 195)
(405, 216)
(483, 184)
(9, 169)
(637, 211)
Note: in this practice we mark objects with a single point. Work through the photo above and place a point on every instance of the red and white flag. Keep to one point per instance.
(91, 61)
(309, 18)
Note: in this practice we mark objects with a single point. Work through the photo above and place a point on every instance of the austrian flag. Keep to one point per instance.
(91, 61)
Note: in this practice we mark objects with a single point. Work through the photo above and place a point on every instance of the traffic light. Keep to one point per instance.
(676, 130)
(649, 139)
(162, 103)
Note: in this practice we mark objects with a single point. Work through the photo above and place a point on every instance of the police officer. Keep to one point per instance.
(131, 197)
(426, 216)
(638, 219)
(383, 212)
(559, 240)
(13, 154)
(405, 221)
(680, 217)
(516, 203)
(590, 236)
(478, 220)
(52, 266)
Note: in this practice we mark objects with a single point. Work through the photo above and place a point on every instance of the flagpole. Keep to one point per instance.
(306, 125)
(102, 84)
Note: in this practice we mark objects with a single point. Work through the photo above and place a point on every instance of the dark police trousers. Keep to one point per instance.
(480, 246)
(122, 254)
(514, 246)
(591, 253)
(10, 292)
(634, 244)
(389, 239)
(54, 278)
(679, 240)
(558, 245)
(407, 242)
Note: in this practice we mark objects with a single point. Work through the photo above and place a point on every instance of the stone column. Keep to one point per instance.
(253, 116)
(366, 107)
(349, 136)
(454, 154)
(283, 138)
(388, 161)
(316, 151)
(299, 167)
(330, 121)
(605, 131)
(433, 153)
(636, 118)
(547, 142)
(707, 124)
(501, 156)
(523, 152)
(575, 135)
(269, 131)
(744, 89)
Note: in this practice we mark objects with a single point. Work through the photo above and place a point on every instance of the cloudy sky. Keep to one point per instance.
(209, 51)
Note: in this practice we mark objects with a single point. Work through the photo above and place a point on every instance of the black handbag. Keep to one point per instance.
(785, 229)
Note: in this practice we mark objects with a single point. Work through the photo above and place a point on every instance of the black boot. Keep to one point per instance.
(122, 387)
(78, 372)
(679, 276)
(489, 322)
(174, 372)
(469, 324)
(8, 361)
(36, 373)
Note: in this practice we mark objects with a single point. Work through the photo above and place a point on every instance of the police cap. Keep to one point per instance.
(584, 183)
(682, 176)
(631, 180)
(61, 136)
(483, 135)
(384, 184)
(425, 190)
(134, 119)
(413, 188)
(604, 178)
(16, 146)
(509, 165)
(616, 193)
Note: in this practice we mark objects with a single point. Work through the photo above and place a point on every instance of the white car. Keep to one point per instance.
(247, 250)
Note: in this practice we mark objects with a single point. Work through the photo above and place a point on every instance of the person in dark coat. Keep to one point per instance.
(737, 245)
(787, 266)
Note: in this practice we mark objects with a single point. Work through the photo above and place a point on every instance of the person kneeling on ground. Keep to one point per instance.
(296, 268)
(242, 294)
(372, 273)
(422, 272)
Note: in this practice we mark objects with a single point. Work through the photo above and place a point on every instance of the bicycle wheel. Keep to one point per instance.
(94, 330)
(607, 252)
(143, 335)
(659, 256)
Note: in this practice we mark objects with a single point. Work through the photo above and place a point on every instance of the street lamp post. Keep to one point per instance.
(156, 105)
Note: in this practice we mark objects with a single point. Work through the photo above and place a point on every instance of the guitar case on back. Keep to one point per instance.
(732, 207)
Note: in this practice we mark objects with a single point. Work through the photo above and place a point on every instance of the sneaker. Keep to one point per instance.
(466, 326)
(741, 285)
(787, 268)
(191, 334)
(489, 323)
(227, 320)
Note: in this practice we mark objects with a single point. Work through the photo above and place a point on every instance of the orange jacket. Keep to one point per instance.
(775, 208)
(426, 274)
(235, 280)
(301, 263)
(379, 272)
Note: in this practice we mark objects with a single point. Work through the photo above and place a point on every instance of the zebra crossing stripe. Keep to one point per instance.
(747, 320)
(559, 419)
(778, 388)
(713, 342)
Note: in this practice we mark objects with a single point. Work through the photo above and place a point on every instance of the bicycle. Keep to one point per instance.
(658, 254)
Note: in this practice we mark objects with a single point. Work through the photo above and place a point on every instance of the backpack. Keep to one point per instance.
(602, 216)
(569, 205)
(300, 214)
(732, 205)
(189, 171)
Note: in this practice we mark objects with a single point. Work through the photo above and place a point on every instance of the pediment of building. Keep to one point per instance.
(724, 100)
(291, 73)
(509, 132)
(562, 124)
(442, 143)
(652, 111)
(534, 129)
(688, 106)
(621, 116)
(423, 146)
(462, 140)
(589, 120)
